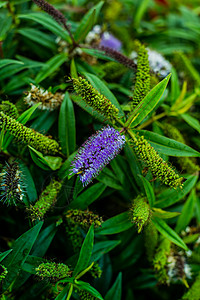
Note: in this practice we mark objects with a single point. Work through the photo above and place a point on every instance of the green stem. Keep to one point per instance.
(84, 271)
(70, 291)
(154, 118)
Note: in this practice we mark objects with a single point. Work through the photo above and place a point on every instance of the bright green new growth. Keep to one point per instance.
(155, 163)
(46, 201)
(9, 109)
(53, 271)
(28, 136)
(93, 98)
(83, 219)
(140, 212)
(185, 162)
(193, 293)
(142, 85)
(3, 272)
(150, 240)
(160, 261)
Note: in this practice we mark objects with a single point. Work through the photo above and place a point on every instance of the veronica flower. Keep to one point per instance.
(108, 40)
(158, 64)
(96, 153)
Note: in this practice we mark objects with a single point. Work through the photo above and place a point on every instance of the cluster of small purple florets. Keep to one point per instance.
(96, 153)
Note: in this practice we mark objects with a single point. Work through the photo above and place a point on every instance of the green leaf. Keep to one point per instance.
(142, 7)
(149, 191)
(194, 123)
(38, 37)
(87, 287)
(31, 263)
(21, 248)
(29, 183)
(65, 169)
(45, 162)
(66, 126)
(25, 116)
(88, 197)
(175, 88)
(115, 224)
(168, 232)
(63, 294)
(73, 70)
(87, 22)
(108, 178)
(102, 248)
(187, 212)
(4, 62)
(85, 253)
(46, 21)
(135, 165)
(39, 248)
(168, 146)
(147, 104)
(51, 66)
(116, 290)
(169, 196)
(90, 110)
(163, 214)
(103, 89)
(4, 254)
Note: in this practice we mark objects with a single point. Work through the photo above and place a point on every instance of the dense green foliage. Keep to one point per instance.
(67, 70)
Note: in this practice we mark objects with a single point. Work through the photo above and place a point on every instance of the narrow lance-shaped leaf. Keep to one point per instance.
(115, 224)
(116, 290)
(187, 212)
(85, 253)
(21, 248)
(149, 191)
(66, 126)
(168, 232)
(147, 104)
(51, 66)
(87, 287)
(169, 197)
(168, 146)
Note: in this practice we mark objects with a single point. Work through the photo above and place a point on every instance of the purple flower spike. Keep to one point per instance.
(96, 153)
(108, 40)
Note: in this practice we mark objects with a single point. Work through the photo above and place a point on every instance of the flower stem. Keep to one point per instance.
(154, 118)
(70, 291)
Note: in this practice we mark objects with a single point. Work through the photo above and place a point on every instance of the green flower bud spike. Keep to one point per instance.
(159, 168)
(186, 163)
(53, 271)
(46, 201)
(84, 295)
(150, 240)
(142, 85)
(9, 109)
(160, 261)
(93, 98)
(140, 212)
(28, 136)
(83, 219)
(3, 272)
